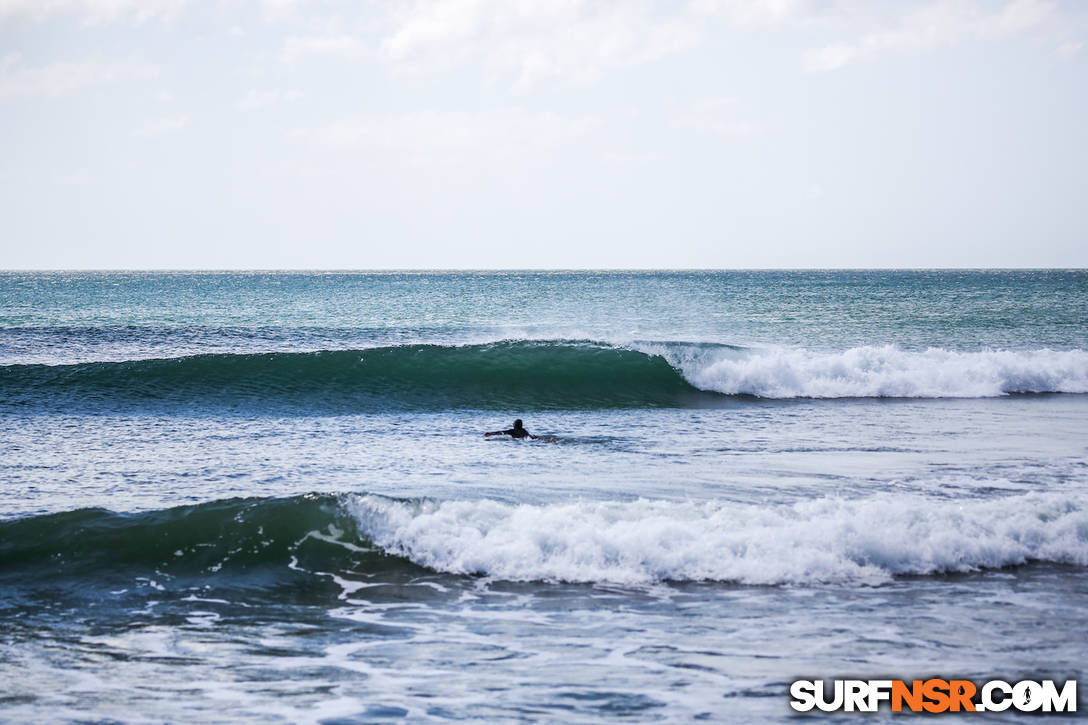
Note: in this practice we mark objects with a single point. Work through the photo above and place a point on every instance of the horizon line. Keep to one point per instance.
(438, 270)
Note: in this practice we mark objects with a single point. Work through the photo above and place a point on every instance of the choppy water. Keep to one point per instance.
(267, 497)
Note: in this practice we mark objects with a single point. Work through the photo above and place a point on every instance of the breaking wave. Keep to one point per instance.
(259, 543)
(889, 372)
(825, 540)
(541, 375)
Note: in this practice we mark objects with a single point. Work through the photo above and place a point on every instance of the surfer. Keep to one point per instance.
(518, 431)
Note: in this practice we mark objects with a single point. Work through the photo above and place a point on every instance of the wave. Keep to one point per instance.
(230, 535)
(543, 374)
(826, 540)
(889, 372)
(861, 541)
(508, 374)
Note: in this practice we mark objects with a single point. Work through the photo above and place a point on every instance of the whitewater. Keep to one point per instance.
(255, 497)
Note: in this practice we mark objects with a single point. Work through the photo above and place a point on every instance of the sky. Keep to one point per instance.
(295, 134)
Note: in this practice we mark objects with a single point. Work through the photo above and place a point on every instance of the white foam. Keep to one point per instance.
(826, 540)
(888, 371)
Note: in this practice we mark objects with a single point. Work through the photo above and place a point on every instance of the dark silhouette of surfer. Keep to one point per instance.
(518, 431)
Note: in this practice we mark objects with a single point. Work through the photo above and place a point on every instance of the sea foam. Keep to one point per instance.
(865, 541)
(887, 371)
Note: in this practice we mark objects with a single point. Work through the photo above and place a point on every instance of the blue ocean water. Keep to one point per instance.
(267, 497)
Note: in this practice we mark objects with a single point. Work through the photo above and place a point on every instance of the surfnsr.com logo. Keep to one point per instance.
(934, 695)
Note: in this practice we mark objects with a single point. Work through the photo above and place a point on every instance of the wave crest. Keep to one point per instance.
(827, 540)
(889, 372)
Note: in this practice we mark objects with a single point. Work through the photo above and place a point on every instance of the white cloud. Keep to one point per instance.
(751, 13)
(829, 57)
(506, 132)
(281, 9)
(92, 10)
(723, 117)
(73, 178)
(163, 126)
(944, 22)
(1069, 50)
(636, 158)
(62, 78)
(255, 99)
(297, 47)
(536, 40)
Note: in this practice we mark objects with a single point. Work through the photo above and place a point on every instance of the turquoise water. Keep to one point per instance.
(60, 316)
(266, 496)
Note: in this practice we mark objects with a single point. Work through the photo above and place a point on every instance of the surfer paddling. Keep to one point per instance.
(519, 432)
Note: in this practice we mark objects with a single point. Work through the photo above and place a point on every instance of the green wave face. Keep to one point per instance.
(256, 544)
(503, 375)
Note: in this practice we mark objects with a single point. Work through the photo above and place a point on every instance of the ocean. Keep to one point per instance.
(266, 496)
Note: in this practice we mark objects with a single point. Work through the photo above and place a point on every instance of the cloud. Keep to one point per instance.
(163, 126)
(255, 99)
(1069, 50)
(636, 158)
(73, 178)
(723, 117)
(830, 57)
(532, 41)
(63, 78)
(92, 10)
(498, 133)
(297, 47)
(944, 22)
(751, 13)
